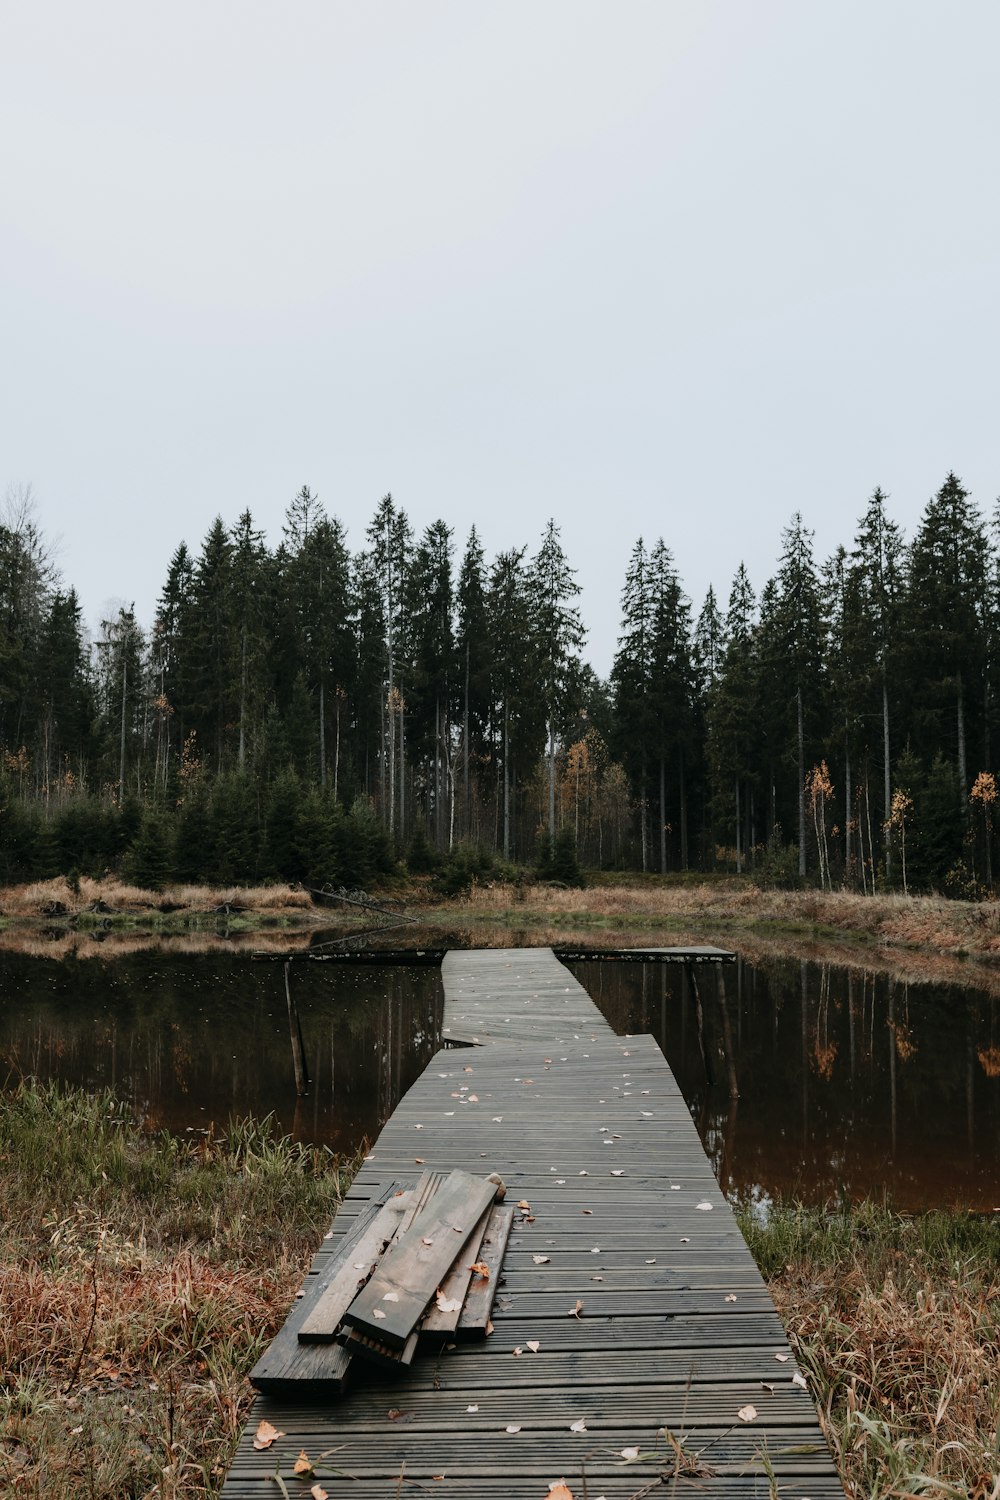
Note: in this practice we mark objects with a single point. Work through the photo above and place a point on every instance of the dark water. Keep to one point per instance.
(193, 1040)
(847, 1085)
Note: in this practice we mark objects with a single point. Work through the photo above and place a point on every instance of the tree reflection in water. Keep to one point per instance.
(822, 1083)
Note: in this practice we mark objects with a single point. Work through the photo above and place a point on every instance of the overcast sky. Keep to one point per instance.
(675, 268)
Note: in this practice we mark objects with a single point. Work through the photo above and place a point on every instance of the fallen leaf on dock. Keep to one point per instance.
(705, 1207)
(618, 1172)
(533, 1345)
(266, 1435)
(685, 1239)
(472, 1408)
(480, 1268)
(517, 1352)
(575, 1312)
(629, 1454)
(319, 1493)
(391, 1297)
(419, 1161)
(540, 1260)
(425, 1241)
(447, 1304)
(767, 1387)
(559, 1491)
(731, 1297)
(524, 1206)
(586, 1210)
(473, 1098)
(747, 1413)
(580, 1426)
(498, 1119)
(651, 1262)
(514, 1427)
(378, 1313)
(782, 1359)
(303, 1464)
(798, 1379)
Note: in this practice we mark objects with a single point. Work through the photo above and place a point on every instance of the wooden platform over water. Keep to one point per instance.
(626, 1267)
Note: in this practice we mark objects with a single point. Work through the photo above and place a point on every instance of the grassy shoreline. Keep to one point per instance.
(919, 938)
(140, 1277)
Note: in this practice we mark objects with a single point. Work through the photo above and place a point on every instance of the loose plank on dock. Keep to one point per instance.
(624, 1266)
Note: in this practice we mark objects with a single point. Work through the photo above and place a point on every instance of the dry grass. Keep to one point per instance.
(35, 899)
(897, 1325)
(893, 920)
(139, 1280)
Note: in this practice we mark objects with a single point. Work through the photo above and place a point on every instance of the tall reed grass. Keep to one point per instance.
(139, 1279)
(896, 1322)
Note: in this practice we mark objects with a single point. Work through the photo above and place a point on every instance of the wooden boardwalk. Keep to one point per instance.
(654, 1329)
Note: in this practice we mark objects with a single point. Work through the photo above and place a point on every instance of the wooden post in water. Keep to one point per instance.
(727, 1034)
(298, 1047)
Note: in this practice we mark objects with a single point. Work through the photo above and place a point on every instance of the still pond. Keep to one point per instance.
(804, 1080)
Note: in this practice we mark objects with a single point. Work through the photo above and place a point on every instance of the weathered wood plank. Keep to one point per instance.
(389, 1307)
(455, 1286)
(285, 1360)
(475, 1315)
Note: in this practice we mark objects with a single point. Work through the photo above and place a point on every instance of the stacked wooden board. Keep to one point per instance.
(635, 1343)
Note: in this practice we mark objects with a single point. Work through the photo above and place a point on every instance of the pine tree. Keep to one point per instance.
(473, 661)
(430, 632)
(558, 634)
(874, 598)
(792, 635)
(946, 590)
(632, 683)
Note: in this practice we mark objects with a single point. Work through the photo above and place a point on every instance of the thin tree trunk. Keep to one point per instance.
(241, 753)
(322, 735)
(642, 819)
(739, 832)
(962, 778)
(336, 744)
(663, 816)
(552, 780)
(802, 781)
(121, 759)
(887, 781)
(684, 812)
(402, 768)
(506, 784)
(847, 804)
(465, 744)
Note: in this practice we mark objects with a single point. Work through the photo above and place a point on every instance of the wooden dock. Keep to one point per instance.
(635, 1349)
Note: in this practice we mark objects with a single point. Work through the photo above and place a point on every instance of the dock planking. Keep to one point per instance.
(624, 1265)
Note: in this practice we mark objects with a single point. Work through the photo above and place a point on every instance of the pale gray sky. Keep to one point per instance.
(673, 268)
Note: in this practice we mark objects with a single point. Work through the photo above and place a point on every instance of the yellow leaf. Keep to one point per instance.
(559, 1491)
(303, 1464)
(266, 1435)
(480, 1268)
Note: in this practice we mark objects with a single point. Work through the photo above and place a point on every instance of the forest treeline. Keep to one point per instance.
(308, 712)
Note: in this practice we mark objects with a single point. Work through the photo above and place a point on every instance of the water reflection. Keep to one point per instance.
(817, 1082)
(193, 1040)
(804, 1079)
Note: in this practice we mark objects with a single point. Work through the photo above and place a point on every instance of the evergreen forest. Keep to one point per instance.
(305, 712)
